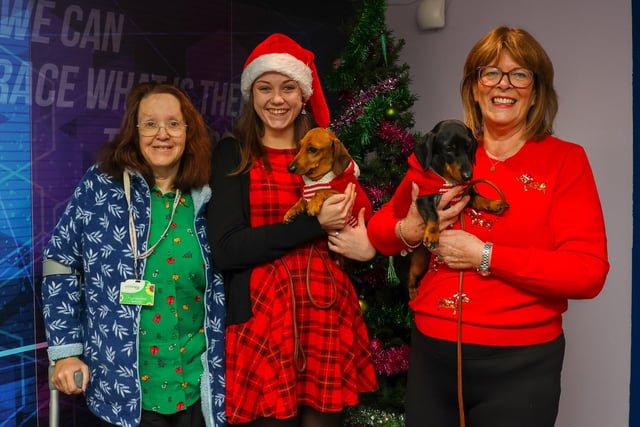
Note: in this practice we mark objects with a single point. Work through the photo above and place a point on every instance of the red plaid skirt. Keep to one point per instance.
(307, 343)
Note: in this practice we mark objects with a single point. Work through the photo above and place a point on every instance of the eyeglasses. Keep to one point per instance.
(518, 77)
(172, 127)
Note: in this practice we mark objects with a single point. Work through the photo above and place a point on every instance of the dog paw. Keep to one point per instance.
(313, 209)
(431, 237)
(288, 217)
(498, 206)
(431, 244)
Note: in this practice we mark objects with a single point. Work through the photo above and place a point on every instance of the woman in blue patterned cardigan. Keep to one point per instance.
(130, 296)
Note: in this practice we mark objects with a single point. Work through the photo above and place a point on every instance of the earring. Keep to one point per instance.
(304, 110)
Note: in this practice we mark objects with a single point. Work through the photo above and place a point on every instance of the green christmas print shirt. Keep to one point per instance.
(172, 330)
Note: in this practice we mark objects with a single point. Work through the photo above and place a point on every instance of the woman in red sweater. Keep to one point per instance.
(519, 269)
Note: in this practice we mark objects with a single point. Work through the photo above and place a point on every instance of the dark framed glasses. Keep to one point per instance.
(518, 77)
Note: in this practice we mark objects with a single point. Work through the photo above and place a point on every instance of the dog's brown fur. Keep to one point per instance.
(322, 152)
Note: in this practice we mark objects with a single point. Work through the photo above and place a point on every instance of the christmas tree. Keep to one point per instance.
(375, 124)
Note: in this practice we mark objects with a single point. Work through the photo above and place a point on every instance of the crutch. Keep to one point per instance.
(54, 396)
(54, 399)
(51, 267)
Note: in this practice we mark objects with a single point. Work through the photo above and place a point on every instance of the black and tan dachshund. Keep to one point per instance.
(445, 159)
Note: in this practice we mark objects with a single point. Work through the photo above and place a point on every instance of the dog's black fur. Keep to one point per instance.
(449, 151)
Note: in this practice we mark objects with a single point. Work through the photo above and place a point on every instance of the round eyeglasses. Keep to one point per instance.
(172, 127)
(518, 77)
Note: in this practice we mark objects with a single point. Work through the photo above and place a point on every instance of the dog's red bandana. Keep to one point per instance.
(428, 181)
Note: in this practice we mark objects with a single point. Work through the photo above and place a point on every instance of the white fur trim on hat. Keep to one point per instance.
(282, 63)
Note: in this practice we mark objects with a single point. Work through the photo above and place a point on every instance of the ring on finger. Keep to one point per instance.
(336, 233)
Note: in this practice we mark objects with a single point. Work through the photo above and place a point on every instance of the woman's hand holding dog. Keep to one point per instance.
(353, 242)
(336, 210)
(458, 249)
(412, 227)
(413, 224)
(449, 214)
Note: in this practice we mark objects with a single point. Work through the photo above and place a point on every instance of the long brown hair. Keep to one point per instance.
(526, 51)
(124, 150)
(249, 131)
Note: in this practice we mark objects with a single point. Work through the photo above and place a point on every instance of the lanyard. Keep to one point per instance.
(132, 225)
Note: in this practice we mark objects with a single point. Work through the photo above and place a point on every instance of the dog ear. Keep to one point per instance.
(341, 157)
(473, 146)
(424, 150)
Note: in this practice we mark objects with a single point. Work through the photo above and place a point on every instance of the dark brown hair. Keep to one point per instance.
(526, 51)
(124, 150)
(249, 130)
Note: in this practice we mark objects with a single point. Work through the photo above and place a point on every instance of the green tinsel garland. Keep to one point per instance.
(392, 276)
(392, 314)
(374, 417)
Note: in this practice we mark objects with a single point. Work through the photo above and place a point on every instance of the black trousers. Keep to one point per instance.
(192, 417)
(502, 386)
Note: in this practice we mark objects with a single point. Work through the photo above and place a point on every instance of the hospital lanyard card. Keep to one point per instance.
(137, 292)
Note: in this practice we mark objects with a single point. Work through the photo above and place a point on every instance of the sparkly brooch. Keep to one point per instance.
(480, 219)
(532, 184)
(452, 303)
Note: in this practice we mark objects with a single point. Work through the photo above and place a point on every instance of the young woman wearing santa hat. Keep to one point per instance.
(297, 349)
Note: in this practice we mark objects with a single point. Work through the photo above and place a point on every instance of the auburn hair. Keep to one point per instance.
(124, 150)
(527, 52)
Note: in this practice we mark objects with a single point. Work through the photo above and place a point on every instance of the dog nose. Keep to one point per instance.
(466, 175)
(291, 168)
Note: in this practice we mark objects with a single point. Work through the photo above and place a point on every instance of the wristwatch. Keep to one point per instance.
(484, 263)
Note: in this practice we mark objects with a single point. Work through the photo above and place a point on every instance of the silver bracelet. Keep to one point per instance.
(484, 263)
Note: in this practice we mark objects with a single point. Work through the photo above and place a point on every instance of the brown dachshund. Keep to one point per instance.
(444, 159)
(326, 168)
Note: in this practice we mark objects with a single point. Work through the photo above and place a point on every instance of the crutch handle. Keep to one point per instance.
(54, 395)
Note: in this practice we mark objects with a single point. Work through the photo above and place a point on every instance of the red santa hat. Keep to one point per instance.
(282, 54)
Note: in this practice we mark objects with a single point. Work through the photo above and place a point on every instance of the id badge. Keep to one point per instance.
(137, 292)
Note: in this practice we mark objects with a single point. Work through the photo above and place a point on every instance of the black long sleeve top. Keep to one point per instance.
(237, 246)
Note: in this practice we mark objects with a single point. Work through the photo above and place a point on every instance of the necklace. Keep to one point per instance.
(496, 160)
(494, 163)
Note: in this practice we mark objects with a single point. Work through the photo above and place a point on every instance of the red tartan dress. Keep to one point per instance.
(297, 349)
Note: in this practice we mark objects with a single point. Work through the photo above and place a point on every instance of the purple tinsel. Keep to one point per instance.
(390, 361)
(390, 131)
(378, 194)
(356, 109)
(375, 194)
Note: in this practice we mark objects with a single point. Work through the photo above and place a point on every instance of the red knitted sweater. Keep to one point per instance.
(549, 246)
